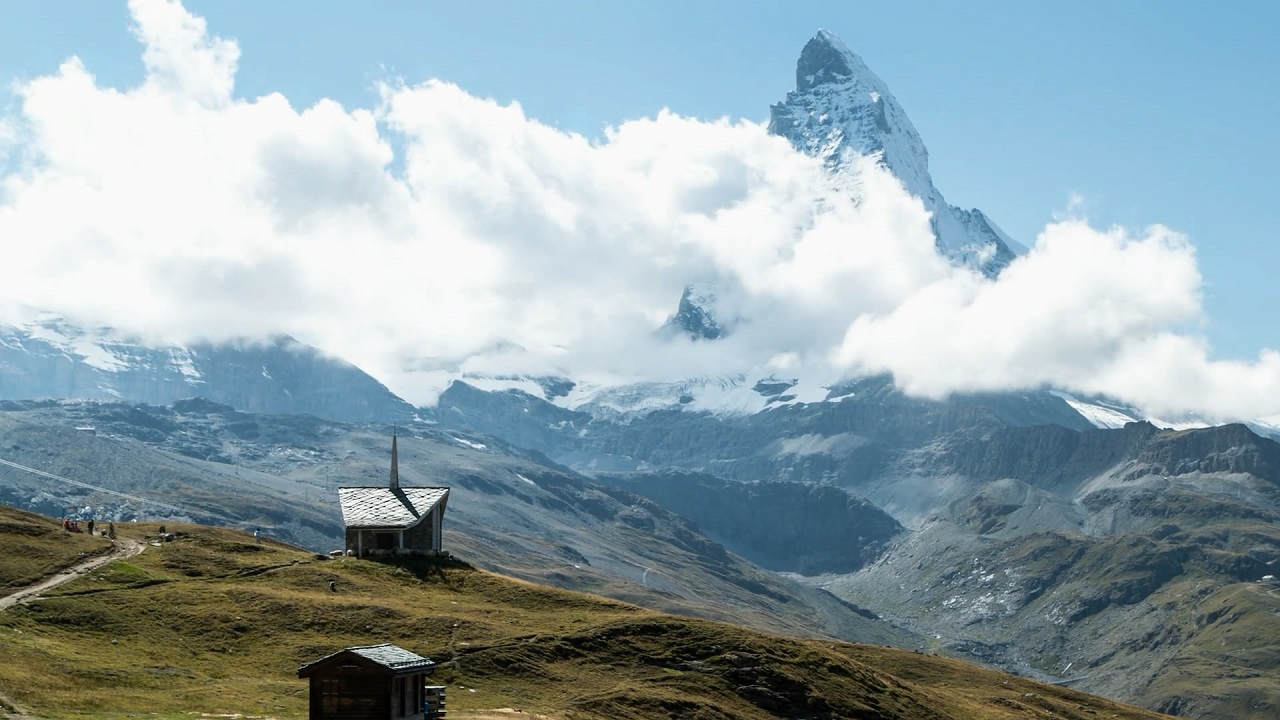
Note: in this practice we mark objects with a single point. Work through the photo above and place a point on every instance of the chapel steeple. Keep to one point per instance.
(395, 463)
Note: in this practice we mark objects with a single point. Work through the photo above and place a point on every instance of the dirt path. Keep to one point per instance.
(11, 709)
(497, 714)
(120, 549)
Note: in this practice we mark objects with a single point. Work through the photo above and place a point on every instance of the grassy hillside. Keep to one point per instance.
(216, 623)
(36, 547)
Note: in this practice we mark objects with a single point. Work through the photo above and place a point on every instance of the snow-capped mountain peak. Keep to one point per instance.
(826, 59)
(839, 111)
(841, 108)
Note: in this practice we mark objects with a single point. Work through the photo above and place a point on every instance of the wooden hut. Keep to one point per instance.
(373, 682)
(393, 520)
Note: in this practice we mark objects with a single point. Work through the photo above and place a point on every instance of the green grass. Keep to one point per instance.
(1227, 642)
(36, 547)
(215, 623)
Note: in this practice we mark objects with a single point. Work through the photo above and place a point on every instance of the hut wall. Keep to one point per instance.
(350, 695)
(353, 539)
(423, 535)
(407, 697)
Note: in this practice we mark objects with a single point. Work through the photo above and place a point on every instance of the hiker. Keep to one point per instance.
(90, 526)
(66, 524)
(257, 535)
(111, 530)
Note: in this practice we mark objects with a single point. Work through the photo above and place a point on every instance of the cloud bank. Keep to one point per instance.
(439, 232)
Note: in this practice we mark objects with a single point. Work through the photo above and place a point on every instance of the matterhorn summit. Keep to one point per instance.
(840, 108)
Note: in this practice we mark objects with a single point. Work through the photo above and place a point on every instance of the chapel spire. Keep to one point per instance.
(395, 463)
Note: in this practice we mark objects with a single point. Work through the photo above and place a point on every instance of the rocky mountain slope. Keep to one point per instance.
(511, 510)
(842, 439)
(1129, 561)
(56, 359)
(1055, 550)
(1135, 562)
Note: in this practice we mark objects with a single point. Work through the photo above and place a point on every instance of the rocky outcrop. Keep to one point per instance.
(1224, 449)
(1049, 456)
(695, 316)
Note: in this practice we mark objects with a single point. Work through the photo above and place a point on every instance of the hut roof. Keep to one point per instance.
(393, 658)
(383, 507)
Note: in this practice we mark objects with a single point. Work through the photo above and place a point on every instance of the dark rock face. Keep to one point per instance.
(1054, 457)
(1048, 456)
(800, 527)
(517, 417)
(41, 365)
(821, 61)
(694, 319)
(1224, 449)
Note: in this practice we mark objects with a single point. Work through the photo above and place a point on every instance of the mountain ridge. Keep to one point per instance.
(52, 358)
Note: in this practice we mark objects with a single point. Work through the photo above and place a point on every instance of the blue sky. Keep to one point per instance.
(1128, 112)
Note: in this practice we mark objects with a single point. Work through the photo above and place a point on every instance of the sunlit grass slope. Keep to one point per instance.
(35, 547)
(214, 622)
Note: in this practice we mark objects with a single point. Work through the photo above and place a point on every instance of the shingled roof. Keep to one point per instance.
(393, 658)
(383, 507)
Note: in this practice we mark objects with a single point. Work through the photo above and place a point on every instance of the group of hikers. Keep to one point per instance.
(70, 525)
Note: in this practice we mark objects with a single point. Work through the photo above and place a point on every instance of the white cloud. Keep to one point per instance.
(178, 211)
(1065, 313)
(181, 58)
